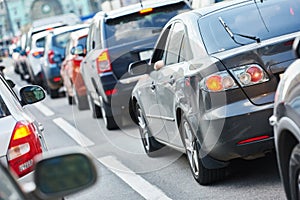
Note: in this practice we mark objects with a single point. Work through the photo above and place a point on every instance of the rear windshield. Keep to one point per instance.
(3, 109)
(61, 40)
(82, 41)
(139, 26)
(264, 20)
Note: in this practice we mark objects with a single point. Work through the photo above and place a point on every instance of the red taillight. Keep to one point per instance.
(57, 79)
(245, 75)
(263, 137)
(110, 92)
(24, 145)
(50, 57)
(256, 73)
(103, 62)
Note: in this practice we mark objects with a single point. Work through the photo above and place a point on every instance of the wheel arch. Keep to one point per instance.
(286, 139)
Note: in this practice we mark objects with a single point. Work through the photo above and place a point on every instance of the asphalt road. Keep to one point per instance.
(125, 172)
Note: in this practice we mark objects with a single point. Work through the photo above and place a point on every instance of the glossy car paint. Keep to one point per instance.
(222, 121)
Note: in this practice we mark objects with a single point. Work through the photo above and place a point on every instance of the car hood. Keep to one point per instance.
(7, 125)
(274, 55)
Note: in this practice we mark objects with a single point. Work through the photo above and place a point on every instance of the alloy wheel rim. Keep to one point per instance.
(191, 149)
(298, 184)
(143, 130)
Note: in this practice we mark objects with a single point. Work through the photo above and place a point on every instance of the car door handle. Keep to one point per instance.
(172, 80)
(152, 86)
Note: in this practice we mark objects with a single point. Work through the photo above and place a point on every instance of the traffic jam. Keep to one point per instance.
(154, 100)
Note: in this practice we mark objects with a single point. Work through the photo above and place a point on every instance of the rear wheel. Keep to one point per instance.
(96, 110)
(294, 172)
(53, 93)
(109, 121)
(202, 175)
(81, 101)
(150, 144)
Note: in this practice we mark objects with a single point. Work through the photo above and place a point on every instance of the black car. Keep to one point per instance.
(116, 39)
(208, 89)
(286, 122)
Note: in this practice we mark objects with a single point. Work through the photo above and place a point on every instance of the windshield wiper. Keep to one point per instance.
(231, 34)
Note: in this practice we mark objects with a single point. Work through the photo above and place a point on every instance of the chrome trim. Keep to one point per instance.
(160, 117)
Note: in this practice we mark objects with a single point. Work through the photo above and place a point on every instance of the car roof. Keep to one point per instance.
(60, 30)
(220, 6)
(79, 33)
(136, 8)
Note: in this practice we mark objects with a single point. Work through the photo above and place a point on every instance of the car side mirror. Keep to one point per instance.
(296, 47)
(31, 94)
(138, 67)
(60, 174)
(79, 50)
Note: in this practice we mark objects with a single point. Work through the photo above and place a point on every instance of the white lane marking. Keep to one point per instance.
(136, 182)
(80, 138)
(44, 109)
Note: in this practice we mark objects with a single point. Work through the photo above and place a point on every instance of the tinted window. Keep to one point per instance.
(40, 42)
(82, 41)
(138, 26)
(264, 20)
(3, 108)
(176, 37)
(61, 40)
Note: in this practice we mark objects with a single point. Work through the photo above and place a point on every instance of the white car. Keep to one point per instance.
(33, 58)
(21, 136)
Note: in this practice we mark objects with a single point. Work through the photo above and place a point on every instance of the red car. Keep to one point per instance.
(72, 79)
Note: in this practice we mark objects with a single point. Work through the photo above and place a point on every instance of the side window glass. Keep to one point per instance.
(185, 51)
(175, 41)
(159, 52)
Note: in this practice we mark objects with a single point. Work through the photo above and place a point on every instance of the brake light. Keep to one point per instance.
(51, 56)
(110, 92)
(57, 79)
(24, 145)
(103, 62)
(263, 137)
(146, 10)
(245, 75)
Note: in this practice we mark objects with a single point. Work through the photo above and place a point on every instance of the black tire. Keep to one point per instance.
(71, 100)
(202, 175)
(150, 144)
(294, 173)
(81, 101)
(96, 110)
(53, 93)
(109, 121)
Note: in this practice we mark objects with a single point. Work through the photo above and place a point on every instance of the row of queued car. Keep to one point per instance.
(202, 82)
(209, 87)
(206, 88)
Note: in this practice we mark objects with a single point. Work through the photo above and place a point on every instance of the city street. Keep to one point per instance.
(126, 172)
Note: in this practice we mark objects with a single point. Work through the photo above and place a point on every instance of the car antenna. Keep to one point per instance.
(141, 3)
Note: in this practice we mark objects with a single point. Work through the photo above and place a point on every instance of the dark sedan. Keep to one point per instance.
(209, 87)
(286, 122)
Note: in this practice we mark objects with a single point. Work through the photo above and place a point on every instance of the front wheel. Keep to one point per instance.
(150, 144)
(294, 173)
(202, 175)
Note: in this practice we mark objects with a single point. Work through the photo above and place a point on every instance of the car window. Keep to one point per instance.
(175, 40)
(40, 42)
(137, 26)
(159, 52)
(264, 19)
(3, 108)
(61, 40)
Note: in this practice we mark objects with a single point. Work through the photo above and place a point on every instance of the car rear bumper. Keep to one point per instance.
(242, 132)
